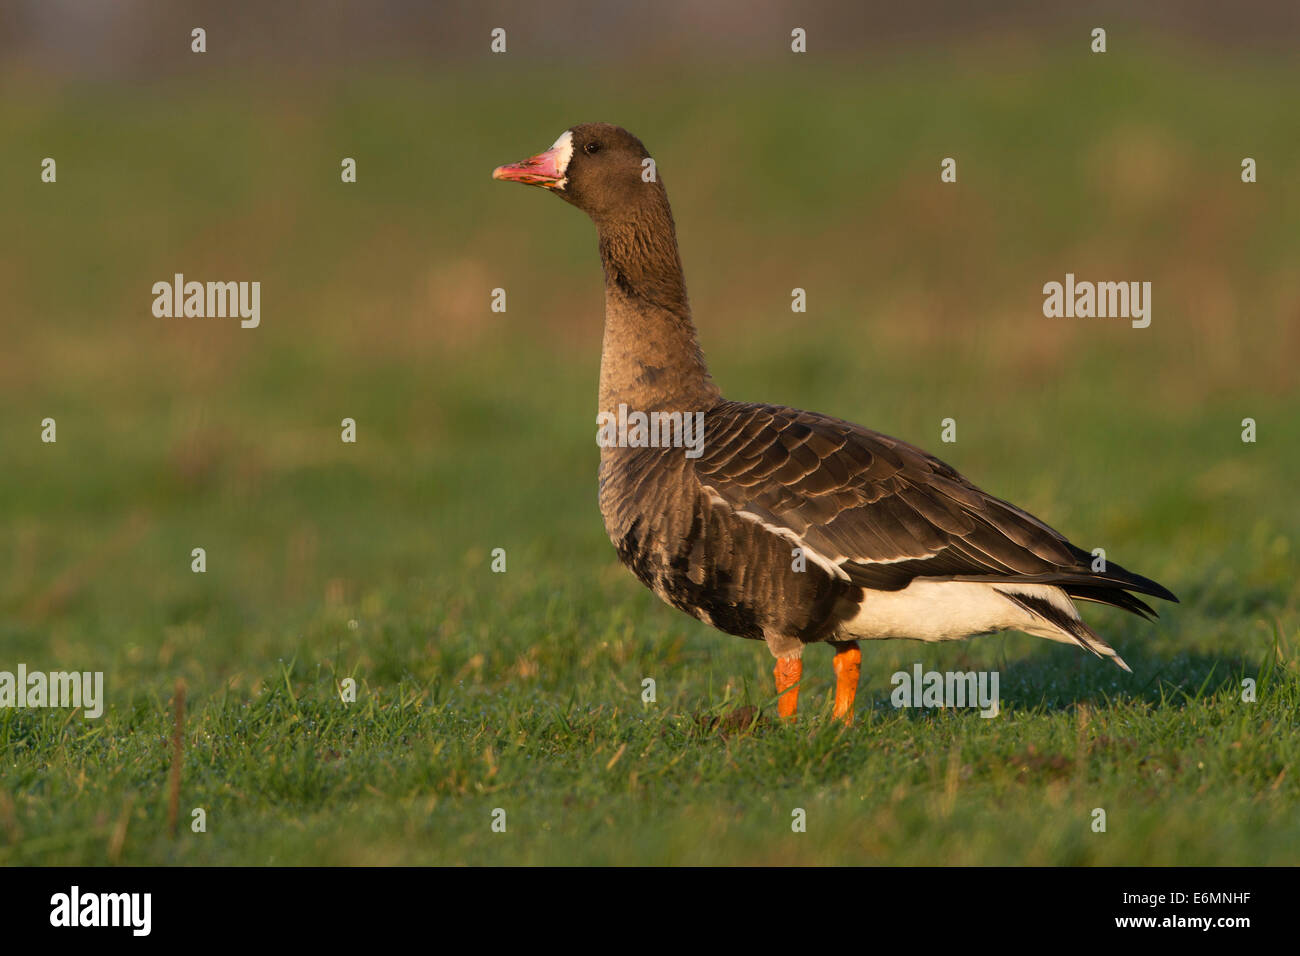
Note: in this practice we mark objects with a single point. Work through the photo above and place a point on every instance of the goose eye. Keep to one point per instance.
(591, 148)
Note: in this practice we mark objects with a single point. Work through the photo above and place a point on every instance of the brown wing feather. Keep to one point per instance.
(884, 510)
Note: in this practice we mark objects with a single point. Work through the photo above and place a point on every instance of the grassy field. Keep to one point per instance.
(522, 690)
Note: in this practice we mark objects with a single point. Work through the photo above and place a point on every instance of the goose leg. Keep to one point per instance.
(848, 666)
(788, 671)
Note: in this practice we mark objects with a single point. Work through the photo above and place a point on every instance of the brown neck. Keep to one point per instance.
(651, 358)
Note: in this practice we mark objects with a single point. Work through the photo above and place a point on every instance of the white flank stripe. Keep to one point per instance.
(812, 554)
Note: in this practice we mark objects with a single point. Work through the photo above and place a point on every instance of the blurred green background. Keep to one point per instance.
(475, 431)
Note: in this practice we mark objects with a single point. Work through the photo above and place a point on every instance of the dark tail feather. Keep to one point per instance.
(1119, 577)
(1112, 596)
(1082, 634)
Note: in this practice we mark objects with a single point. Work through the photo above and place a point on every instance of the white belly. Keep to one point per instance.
(951, 610)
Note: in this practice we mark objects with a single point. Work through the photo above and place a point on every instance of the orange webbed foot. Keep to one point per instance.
(848, 668)
(788, 672)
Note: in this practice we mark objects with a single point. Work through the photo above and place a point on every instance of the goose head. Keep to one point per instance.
(597, 167)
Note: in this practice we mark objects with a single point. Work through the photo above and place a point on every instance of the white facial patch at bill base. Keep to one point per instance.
(564, 152)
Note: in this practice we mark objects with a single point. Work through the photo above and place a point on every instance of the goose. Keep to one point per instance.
(781, 525)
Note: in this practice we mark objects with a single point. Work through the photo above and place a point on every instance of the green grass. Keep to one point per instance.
(522, 690)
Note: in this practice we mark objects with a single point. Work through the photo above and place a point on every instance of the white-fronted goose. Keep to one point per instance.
(894, 543)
